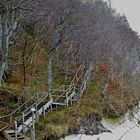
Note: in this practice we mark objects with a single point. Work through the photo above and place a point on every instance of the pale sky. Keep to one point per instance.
(131, 8)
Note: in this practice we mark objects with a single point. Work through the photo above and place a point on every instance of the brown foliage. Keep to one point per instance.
(102, 68)
(118, 98)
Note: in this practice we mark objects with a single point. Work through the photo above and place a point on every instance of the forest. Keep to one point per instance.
(44, 42)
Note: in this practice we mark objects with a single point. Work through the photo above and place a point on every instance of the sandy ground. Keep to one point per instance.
(128, 129)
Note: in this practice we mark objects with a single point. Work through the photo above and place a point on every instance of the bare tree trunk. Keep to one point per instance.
(23, 61)
(50, 74)
(67, 68)
(5, 45)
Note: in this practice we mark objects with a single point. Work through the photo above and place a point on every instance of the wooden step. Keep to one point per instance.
(10, 135)
(41, 105)
(27, 117)
(61, 100)
(19, 124)
(57, 103)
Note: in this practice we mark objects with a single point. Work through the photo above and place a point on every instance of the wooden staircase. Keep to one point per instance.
(12, 135)
(22, 118)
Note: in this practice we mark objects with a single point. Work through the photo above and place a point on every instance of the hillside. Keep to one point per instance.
(47, 45)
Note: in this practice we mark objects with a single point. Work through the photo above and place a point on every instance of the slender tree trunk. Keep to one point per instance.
(50, 74)
(5, 45)
(23, 61)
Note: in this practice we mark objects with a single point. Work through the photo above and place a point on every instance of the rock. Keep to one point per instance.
(139, 122)
(92, 125)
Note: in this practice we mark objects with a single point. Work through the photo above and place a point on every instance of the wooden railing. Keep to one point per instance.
(9, 117)
(24, 108)
(65, 91)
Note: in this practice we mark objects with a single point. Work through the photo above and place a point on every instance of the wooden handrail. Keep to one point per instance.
(6, 125)
(42, 98)
(72, 84)
(73, 80)
(10, 114)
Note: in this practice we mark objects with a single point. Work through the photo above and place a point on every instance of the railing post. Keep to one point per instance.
(44, 111)
(67, 100)
(76, 78)
(71, 100)
(64, 88)
(36, 112)
(33, 123)
(23, 120)
(37, 96)
(74, 89)
(51, 107)
(85, 85)
(72, 92)
(16, 130)
(11, 119)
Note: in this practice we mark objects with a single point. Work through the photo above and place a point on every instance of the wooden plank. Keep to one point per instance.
(56, 103)
(7, 133)
(7, 136)
(70, 97)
